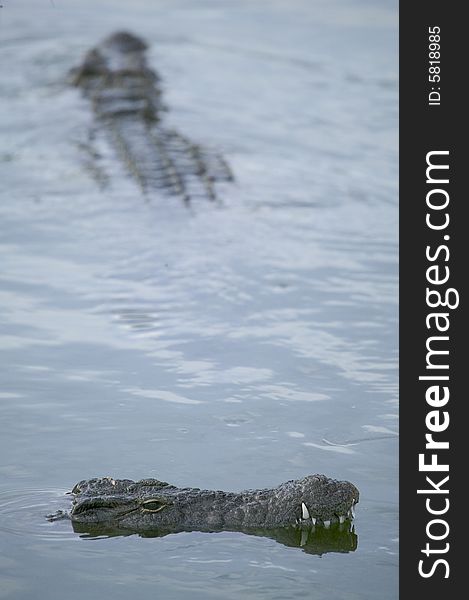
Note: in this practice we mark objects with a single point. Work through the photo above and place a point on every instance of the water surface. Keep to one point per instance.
(223, 347)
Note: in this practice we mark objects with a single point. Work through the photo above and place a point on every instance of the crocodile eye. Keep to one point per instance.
(153, 505)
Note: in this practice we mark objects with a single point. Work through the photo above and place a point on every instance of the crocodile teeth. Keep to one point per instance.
(304, 511)
(313, 520)
(327, 524)
(342, 519)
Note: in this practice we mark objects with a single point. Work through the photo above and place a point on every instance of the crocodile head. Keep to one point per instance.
(120, 52)
(151, 504)
(317, 499)
(116, 76)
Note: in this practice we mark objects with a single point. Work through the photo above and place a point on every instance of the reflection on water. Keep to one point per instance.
(312, 540)
(226, 347)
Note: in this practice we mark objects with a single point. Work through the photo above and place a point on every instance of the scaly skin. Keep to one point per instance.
(150, 505)
(126, 100)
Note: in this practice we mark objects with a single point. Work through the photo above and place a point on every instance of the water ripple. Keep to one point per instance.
(23, 512)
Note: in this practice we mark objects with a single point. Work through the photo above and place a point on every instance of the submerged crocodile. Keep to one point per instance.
(286, 513)
(126, 99)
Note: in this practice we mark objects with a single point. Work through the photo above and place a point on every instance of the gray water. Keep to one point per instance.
(223, 347)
